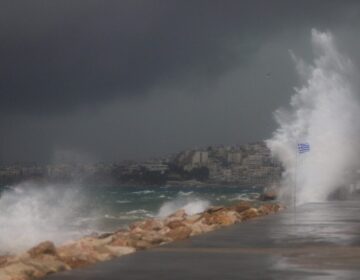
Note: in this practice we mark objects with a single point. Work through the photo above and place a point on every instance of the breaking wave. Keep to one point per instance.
(325, 113)
(33, 214)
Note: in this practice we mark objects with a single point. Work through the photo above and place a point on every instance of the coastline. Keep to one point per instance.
(46, 258)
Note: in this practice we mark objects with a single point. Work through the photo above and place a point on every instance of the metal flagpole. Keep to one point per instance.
(301, 149)
(295, 187)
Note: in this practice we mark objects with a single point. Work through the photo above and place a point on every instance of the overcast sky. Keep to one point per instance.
(114, 80)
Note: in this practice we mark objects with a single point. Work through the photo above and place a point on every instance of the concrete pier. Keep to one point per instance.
(321, 242)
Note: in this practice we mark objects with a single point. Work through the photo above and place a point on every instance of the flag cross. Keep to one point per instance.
(303, 148)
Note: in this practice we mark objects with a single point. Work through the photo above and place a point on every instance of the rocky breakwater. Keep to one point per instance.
(46, 258)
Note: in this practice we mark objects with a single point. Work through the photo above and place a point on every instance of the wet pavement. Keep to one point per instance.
(322, 241)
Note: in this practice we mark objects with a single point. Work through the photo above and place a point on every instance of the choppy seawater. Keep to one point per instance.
(35, 213)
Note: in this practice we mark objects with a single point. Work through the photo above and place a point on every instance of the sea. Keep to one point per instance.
(31, 213)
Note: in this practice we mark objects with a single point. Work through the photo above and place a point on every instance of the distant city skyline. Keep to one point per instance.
(115, 80)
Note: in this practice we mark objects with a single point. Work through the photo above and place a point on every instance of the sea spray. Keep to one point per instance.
(30, 213)
(190, 204)
(325, 113)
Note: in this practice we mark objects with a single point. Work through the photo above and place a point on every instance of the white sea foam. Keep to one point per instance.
(30, 214)
(137, 211)
(191, 206)
(123, 201)
(246, 196)
(185, 193)
(143, 192)
(325, 113)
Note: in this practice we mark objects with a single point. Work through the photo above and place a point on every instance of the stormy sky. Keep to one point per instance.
(114, 80)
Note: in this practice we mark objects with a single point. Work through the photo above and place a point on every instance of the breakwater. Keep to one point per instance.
(46, 258)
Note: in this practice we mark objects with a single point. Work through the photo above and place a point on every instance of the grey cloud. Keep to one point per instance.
(59, 55)
(132, 79)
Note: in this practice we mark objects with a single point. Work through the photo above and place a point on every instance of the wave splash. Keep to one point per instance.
(190, 204)
(325, 113)
(31, 214)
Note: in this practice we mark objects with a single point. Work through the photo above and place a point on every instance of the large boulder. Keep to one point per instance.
(266, 209)
(214, 209)
(179, 233)
(249, 214)
(18, 271)
(26, 267)
(44, 248)
(175, 224)
(241, 207)
(4, 260)
(155, 238)
(46, 265)
(268, 195)
(138, 243)
(86, 251)
(121, 238)
(200, 228)
(179, 215)
(149, 224)
(118, 251)
(193, 218)
(221, 218)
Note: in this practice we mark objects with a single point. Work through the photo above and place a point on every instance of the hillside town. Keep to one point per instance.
(249, 164)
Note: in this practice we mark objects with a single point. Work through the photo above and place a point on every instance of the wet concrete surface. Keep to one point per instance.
(322, 241)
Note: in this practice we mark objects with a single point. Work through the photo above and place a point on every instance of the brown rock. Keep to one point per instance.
(269, 195)
(222, 218)
(249, 214)
(153, 224)
(193, 218)
(155, 238)
(150, 224)
(120, 239)
(200, 227)
(46, 266)
(139, 244)
(86, 251)
(6, 276)
(179, 233)
(76, 256)
(38, 262)
(18, 271)
(103, 235)
(164, 230)
(118, 251)
(137, 230)
(241, 207)
(214, 209)
(44, 248)
(4, 260)
(135, 241)
(179, 215)
(266, 209)
(175, 224)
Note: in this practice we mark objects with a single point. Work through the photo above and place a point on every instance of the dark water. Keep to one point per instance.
(61, 212)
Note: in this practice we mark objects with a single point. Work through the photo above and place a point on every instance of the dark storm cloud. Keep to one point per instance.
(110, 80)
(58, 55)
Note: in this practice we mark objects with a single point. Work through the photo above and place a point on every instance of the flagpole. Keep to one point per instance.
(295, 187)
(301, 149)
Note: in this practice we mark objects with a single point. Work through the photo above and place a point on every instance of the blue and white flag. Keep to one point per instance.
(303, 148)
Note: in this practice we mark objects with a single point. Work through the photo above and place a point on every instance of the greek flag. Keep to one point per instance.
(303, 148)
